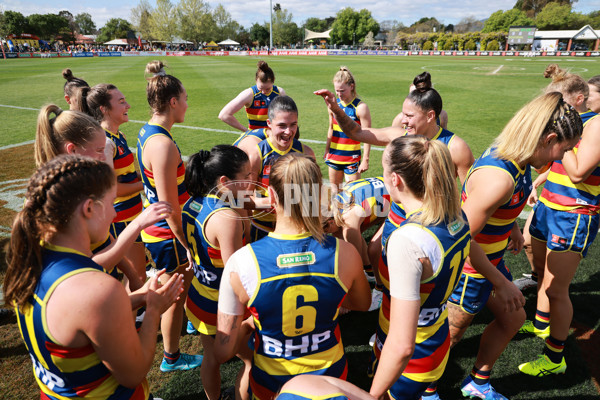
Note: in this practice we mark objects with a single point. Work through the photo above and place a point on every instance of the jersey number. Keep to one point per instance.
(456, 267)
(192, 243)
(298, 319)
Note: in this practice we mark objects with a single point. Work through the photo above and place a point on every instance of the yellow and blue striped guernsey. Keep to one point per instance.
(427, 364)
(203, 294)
(295, 308)
(65, 372)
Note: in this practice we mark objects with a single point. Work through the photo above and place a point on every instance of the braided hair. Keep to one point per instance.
(54, 192)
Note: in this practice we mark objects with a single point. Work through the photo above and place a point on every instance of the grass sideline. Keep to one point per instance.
(479, 103)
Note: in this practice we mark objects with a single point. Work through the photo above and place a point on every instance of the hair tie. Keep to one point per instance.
(161, 73)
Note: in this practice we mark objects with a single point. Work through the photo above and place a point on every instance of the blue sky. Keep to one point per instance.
(247, 12)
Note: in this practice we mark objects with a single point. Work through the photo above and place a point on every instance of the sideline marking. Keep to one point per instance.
(197, 128)
(497, 70)
(10, 146)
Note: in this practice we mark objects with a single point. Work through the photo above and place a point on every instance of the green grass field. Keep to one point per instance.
(480, 95)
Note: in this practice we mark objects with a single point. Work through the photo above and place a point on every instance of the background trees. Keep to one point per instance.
(115, 28)
(351, 27)
(85, 24)
(198, 22)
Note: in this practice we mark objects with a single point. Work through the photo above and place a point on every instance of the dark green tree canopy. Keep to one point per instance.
(353, 26)
(115, 28)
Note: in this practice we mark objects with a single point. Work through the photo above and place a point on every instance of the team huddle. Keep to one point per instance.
(262, 256)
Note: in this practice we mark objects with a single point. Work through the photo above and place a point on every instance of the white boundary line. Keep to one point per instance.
(497, 70)
(197, 128)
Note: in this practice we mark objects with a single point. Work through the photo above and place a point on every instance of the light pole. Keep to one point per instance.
(271, 26)
(353, 40)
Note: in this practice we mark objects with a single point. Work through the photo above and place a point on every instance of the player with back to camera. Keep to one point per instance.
(214, 231)
(73, 132)
(425, 257)
(342, 154)
(256, 100)
(564, 224)
(296, 271)
(75, 320)
(163, 176)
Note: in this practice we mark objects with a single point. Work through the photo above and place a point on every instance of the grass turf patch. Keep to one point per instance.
(479, 104)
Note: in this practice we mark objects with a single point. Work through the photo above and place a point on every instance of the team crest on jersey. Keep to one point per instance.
(121, 151)
(259, 103)
(558, 239)
(516, 198)
(296, 259)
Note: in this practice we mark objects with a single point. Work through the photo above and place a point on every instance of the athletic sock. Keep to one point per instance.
(379, 287)
(171, 358)
(542, 320)
(480, 377)
(431, 389)
(554, 349)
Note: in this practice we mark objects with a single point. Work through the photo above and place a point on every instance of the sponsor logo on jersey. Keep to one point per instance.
(295, 259)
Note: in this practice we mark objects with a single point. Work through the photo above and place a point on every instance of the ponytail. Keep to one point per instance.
(161, 87)
(67, 126)
(46, 146)
(72, 82)
(424, 95)
(54, 192)
(345, 76)
(566, 83)
(427, 169)
(206, 167)
(264, 73)
(296, 181)
(89, 100)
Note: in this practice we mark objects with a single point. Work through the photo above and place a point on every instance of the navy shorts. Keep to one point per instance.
(168, 254)
(117, 227)
(562, 230)
(349, 169)
(471, 293)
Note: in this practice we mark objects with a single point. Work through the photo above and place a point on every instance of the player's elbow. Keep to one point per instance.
(132, 378)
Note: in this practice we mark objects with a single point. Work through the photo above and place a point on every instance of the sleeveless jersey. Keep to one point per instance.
(66, 372)
(397, 214)
(159, 231)
(493, 238)
(203, 294)
(370, 195)
(561, 194)
(296, 395)
(342, 149)
(130, 206)
(432, 346)
(295, 308)
(265, 219)
(258, 133)
(258, 111)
